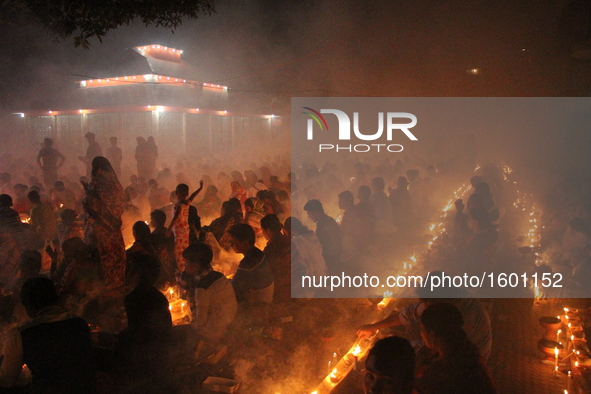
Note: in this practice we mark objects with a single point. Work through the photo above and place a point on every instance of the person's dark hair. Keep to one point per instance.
(68, 216)
(249, 203)
(146, 267)
(5, 200)
(378, 183)
(48, 141)
(294, 224)
(364, 192)
(30, 261)
(38, 293)
(445, 321)
(199, 253)
(347, 196)
(243, 232)
(394, 357)
(182, 189)
(314, 206)
(59, 185)
(158, 216)
(482, 188)
(20, 186)
(5, 177)
(233, 206)
(271, 222)
(141, 230)
(101, 163)
(34, 196)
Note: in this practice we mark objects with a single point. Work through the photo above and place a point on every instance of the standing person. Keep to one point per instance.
(103, 206)
(328, 233)
(115, 155)
(400, 203)
(180, 222)
(151, 155)
(93, 150)
(47, 159)
(140, 157)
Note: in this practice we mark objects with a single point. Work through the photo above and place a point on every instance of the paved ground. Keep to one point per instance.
(515, 361)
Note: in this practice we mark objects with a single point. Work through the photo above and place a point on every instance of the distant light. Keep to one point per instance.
(134, 77)
(474, 71)
(107, 79)
(80, 110)
(181, 51)
(116, 79)
(49, 111)
(159, 108)
(184, 80)
(176, 80)
(22, 115)
(225, 112)
(90, 81)
(158, 46)
(168, 78)
(196, 109)
(149, 106)
(153, 46)
(218, 86)
(125, 77)
(523, 50)
(160, 77)
(204, 84)
(272, 116)
(98, 80)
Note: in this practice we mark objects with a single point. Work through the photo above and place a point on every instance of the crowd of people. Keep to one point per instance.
(236, 248)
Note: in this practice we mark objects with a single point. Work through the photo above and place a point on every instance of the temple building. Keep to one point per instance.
(150, 91)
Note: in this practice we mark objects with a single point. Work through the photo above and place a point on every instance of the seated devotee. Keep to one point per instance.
(163, 244)
(55, 345)
(253, 281)
(29, 267)
(380, 200)
(459, 368)
(62, 198)
(328, 233)
(22, 203)
(390, 367)
(210, 294)
(357, 224)
(79, 271)
(8, 217)
(145, 344)
(478, 253)
(476, 319)
(278, 251)
(42, 219)
(143, 242)
(69, 227)
(231, 214)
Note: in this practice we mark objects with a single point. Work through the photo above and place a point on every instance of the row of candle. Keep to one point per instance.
(574, 337)
(338, 369)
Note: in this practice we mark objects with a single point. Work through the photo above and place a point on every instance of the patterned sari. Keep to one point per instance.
(103, 206)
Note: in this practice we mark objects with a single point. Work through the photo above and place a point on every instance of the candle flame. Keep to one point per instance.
(356, 351)
(556, 351)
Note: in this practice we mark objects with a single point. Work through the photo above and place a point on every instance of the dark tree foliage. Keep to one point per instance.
(85, 19)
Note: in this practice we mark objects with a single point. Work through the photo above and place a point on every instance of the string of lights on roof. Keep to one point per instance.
(149, 78)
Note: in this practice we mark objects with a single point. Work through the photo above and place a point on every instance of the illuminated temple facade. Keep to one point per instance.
(151, 91)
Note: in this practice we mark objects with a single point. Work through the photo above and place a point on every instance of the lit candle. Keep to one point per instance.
(183, 308)
(329, 366)
(558, 335)
(568, 379)
(334, 359)
(555, 359)
(576, 364)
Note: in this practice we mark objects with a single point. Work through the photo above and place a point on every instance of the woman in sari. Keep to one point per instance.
(103, 206)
